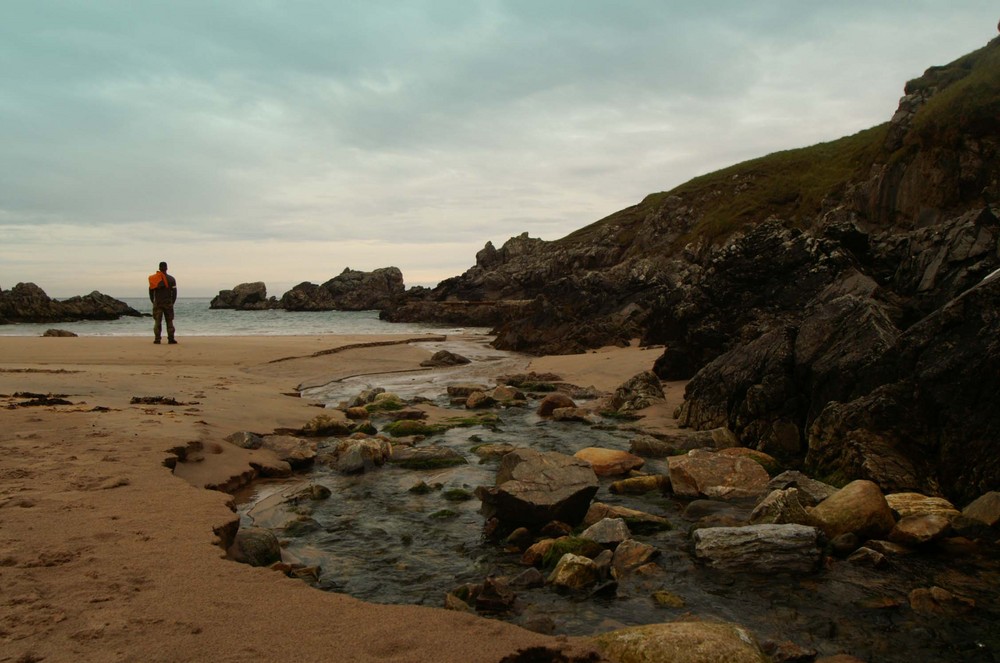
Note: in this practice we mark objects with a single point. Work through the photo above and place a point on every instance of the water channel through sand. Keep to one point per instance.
(376, 540)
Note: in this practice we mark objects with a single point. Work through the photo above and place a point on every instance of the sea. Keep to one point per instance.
(194, 317)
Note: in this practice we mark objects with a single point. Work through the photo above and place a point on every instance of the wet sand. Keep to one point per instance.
(107, 555)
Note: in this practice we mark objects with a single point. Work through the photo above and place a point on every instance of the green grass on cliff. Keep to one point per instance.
(968, 103)
(793, 184)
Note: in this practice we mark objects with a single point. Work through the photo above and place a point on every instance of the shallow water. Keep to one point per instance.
(375, 540)
(194, 317)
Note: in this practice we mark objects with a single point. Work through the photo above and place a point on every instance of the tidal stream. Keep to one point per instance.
(376, 540)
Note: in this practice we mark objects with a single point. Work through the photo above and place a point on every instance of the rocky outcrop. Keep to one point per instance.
(26, 302)
(819, 300)
(244, 297)
(351, 290)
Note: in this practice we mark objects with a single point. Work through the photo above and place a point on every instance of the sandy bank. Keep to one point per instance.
(105, 555)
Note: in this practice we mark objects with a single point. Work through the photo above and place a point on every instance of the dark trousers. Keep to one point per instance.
(159, 313)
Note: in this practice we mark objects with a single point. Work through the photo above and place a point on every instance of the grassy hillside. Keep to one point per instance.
(793, 184)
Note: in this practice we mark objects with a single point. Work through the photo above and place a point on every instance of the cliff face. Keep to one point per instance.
(821, 300)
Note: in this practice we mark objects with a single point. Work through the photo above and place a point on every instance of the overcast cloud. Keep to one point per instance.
(245, 140)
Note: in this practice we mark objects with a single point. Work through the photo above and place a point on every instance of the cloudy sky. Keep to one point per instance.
(245, 140)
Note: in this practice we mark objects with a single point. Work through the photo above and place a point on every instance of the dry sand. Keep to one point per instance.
(107, 555)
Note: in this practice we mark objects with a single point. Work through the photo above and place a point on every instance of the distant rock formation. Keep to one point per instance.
(352, 290)
(244, 297)
(26, 302)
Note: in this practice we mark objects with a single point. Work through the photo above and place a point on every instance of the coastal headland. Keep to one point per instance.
(108, 555)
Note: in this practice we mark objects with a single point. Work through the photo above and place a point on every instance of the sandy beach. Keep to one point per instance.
(108, 555)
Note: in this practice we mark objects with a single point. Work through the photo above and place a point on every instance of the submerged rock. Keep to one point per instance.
(422, 458)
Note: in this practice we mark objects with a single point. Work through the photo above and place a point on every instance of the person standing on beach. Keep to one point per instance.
(163, 294)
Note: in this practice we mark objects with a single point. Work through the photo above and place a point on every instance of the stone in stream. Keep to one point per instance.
(668, 445)
(553, 401)
(295, 451)
(608, 532)
(574, 572)
(639, 522)
(425, 458)
(780, 506)
(920, 530)
(354, 456)
(915, 504)
(534, 487)
(858, 507)
(641, 485)
(759, 548)
(255, 546)
(710, 474)
(630, 555)
(609, 462)
(811, 491)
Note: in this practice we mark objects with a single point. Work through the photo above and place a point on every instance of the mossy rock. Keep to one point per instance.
(457, 495)
(444, 514)
(385, 405)
(571, 544)
(407, 427)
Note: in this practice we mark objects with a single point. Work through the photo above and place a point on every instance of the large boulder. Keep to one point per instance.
(710, 474)
(682, 642)
(534, 487)
(768, 548)
(858, 508)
